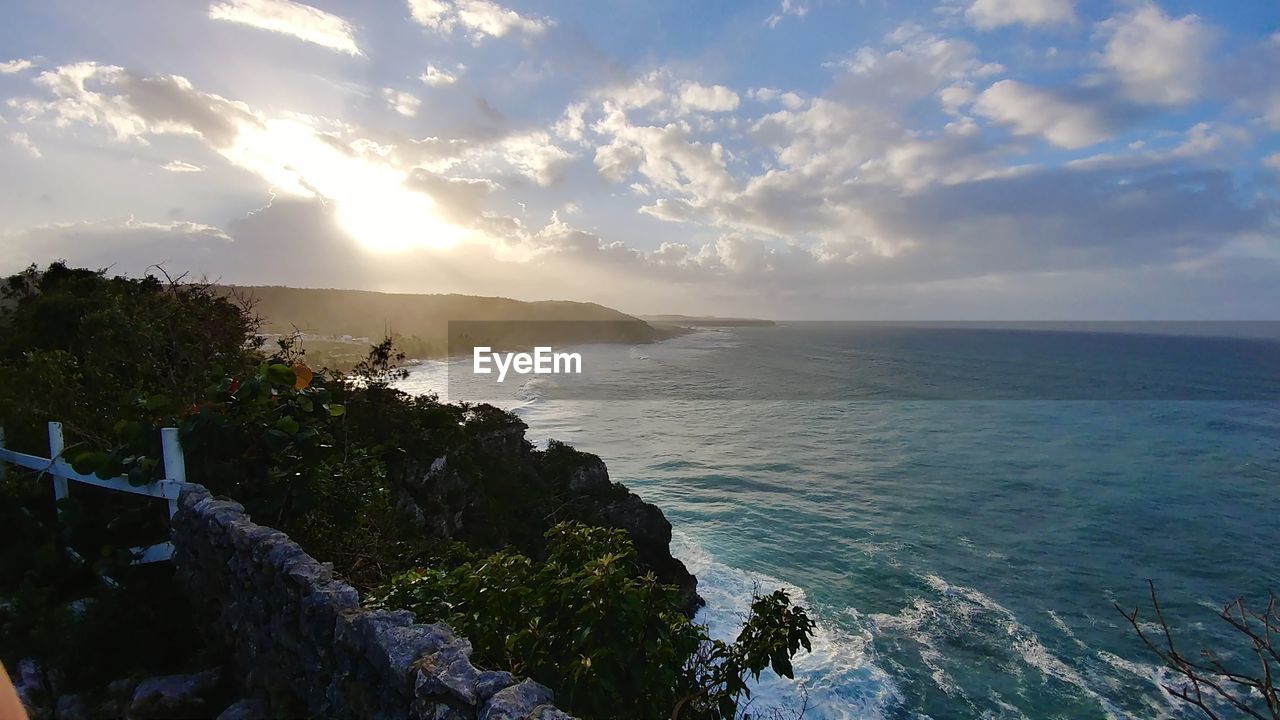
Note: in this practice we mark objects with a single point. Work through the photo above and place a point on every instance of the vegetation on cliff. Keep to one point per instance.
(551, 568)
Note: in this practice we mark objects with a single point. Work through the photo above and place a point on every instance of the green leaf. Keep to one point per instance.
(156, 402)
(87, 463)
(337, 410)
(281, 375)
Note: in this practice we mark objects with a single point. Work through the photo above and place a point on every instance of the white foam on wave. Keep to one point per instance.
(913, 621)
(956, 609)
(839, 674)
(1169, 706)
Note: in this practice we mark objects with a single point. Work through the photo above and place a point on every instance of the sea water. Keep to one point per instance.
(960, 508)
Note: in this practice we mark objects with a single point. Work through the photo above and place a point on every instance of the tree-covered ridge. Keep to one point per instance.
(420, 323)
(446, 509)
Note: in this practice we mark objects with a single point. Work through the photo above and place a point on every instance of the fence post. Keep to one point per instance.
(175, 464)
(56, 445)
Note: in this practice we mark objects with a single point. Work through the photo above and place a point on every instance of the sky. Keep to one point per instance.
(790, 159)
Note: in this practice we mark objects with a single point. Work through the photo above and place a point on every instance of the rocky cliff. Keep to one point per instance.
(494, 489)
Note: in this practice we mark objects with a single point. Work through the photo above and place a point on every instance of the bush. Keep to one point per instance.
(611, 642)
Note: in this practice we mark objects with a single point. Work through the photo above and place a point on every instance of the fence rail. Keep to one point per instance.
(57, 467)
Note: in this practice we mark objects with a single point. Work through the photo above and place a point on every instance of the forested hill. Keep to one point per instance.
(420, 323)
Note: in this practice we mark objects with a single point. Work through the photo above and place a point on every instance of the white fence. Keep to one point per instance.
(61, 471)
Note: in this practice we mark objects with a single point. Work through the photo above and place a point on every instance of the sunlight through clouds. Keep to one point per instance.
(370, 199)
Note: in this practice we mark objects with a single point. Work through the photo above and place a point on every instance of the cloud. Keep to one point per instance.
(1066, 121)
(667, 156)
(178, 166)
(108, 243)
(436, 77)
(132, 106)
(478, 18)
(15, 66)
(1272, 161)
(990, 14)
(401, 102)
(713, 98)
(913, 65)
(21, 140)
(535, 156)
(789, 7)
(1155, 58)
(290, 18)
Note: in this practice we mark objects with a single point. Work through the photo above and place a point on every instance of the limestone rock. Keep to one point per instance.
(490, 682)
(246, 709)
(176, 696)
(70, 707)
(590, 476)
(517, 702)
(650, 532)
(33, 690)
(549, 712)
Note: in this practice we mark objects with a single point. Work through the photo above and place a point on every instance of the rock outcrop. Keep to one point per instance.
(494, 489)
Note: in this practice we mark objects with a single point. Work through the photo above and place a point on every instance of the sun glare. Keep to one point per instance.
(371, 202)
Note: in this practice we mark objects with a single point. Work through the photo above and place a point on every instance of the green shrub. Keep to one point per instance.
(611, 642)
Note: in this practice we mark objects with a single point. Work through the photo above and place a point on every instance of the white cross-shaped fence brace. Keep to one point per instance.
(56, 466)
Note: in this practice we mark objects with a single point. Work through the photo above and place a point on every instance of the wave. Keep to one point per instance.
(839, 675)
(956, 616)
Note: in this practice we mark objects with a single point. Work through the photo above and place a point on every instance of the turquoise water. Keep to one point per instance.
(961, 556)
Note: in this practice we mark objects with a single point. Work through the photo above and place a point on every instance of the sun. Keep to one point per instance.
(382, 214)
(370, 199)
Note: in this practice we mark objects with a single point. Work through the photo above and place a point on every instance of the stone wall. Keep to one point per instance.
(303, 646)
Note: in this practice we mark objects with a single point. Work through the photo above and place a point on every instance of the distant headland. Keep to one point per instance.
(337, 326)
(705, 321)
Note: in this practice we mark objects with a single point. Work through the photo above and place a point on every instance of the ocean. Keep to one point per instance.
(960, 507)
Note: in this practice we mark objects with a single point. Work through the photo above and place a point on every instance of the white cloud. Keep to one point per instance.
(708, 98)
(478, 18)
(915, 64)
(437, 77)
(535, 156)
(15, 66)
(989, 14)
(401, 102)
(1155, 58)
(129, 226)
(571, 125)
(178, 166)
(789, 7)
(648, 90)
(954, 98)
(132, 106)
(1272, 161)
(667, 156)
(1206, 138)
(290, 18)
(1033, 111)
(21, 140)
